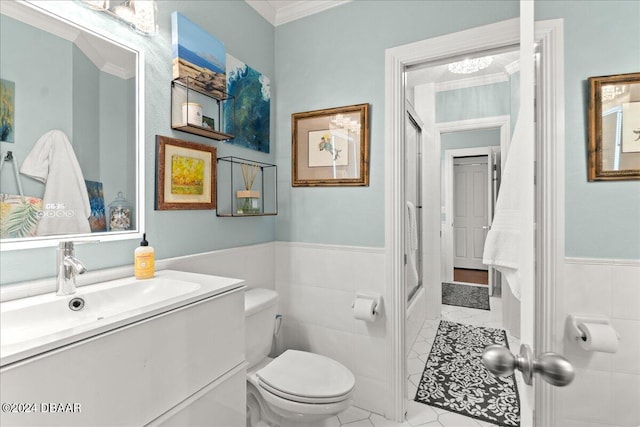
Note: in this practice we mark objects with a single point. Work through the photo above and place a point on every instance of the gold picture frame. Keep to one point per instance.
(185, 175)
(614, 127)
(330, 147)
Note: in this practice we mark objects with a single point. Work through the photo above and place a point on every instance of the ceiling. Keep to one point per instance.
(502, 65)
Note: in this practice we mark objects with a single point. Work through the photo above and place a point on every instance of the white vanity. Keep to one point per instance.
(164, 351)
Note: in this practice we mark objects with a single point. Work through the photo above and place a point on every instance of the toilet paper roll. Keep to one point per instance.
(598, 337)
(364, 309)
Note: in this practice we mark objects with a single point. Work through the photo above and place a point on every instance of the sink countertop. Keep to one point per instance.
(208, 286)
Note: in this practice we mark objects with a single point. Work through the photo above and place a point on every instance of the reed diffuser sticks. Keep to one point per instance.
(248, 200)
(249, 173)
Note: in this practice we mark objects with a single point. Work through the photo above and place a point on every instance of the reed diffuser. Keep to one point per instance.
(248, 199)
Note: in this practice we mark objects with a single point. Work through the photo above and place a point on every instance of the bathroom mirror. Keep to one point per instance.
(614, 127)
(59, 75)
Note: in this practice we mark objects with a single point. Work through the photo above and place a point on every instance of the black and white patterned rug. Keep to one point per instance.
(465, 295)
(455, 379)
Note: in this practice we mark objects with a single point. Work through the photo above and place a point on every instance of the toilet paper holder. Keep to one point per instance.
(376, 298)
(574, 320)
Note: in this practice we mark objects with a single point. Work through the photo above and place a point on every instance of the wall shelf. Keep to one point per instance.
(198, 111)
(233, 199)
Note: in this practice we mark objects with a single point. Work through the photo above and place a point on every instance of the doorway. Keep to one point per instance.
(469, 150)
(473, 200)
(550, 165)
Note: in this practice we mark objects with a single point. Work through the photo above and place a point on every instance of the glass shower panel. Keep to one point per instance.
(413, 209)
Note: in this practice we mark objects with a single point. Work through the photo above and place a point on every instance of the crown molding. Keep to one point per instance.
(265, 9)
(512, 67)
(292, 11)
(302, 9)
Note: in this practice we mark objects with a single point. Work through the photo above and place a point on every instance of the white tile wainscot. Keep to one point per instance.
(317, 284)
(606, 390)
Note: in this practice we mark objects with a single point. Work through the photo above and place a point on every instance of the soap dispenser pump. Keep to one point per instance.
(144, 260)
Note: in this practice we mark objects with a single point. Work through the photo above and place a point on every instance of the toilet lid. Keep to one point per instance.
(301, 374)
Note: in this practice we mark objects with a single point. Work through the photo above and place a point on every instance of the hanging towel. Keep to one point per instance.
(66, 208)
(412, 224)
(412, 246)
(503, 245)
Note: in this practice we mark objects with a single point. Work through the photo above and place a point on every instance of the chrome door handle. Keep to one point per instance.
(555, 369)
(486, 227)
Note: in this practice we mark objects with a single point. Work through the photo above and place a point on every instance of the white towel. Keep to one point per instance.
(412, 246)
(66, 208)
(503, 246)
(412, 223)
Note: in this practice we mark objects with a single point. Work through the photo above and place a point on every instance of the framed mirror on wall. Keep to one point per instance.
(614, 127)
(72, 100)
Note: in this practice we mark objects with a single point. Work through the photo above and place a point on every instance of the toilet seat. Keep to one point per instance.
(304, 377)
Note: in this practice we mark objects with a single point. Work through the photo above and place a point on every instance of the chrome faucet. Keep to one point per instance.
(68, 267)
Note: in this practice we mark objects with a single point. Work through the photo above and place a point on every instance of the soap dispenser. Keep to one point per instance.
(144, 260)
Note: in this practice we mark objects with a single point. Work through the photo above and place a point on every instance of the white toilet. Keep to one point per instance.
(297, 385)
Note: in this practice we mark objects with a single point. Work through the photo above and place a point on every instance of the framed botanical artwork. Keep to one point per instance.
(614, 127)
(185, 175)
(330, 147)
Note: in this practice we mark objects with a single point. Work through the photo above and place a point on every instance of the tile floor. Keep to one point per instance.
(418, 414)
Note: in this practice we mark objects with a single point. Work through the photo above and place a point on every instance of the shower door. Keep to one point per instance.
(413, 199)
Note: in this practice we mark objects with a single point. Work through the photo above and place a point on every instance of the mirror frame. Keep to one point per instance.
(40, 16)
(595, 171)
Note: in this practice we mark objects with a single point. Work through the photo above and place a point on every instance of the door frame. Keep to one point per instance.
(447, 229)
(503, 124)
(549, 34)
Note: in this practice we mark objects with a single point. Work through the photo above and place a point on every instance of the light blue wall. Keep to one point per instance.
(248, 37)
(86, 114)
(116, 173)
(473, 102)
(600, 38)
(336, 58)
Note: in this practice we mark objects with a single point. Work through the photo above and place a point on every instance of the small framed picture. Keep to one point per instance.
(614, 127)
(185, 175)
(208, 123)
(330, 147)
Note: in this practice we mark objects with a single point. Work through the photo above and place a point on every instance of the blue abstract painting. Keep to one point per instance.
(97, 220)
(197, 55)
(249, 121)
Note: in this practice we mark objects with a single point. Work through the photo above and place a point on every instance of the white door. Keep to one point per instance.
(526, 121)
(470, 211)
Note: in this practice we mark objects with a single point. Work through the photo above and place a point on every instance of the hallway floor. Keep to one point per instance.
(418, 414)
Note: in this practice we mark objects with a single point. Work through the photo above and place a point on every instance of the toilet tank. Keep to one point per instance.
(260, 317)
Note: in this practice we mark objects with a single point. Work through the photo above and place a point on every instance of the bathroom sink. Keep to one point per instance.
(33, 325)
